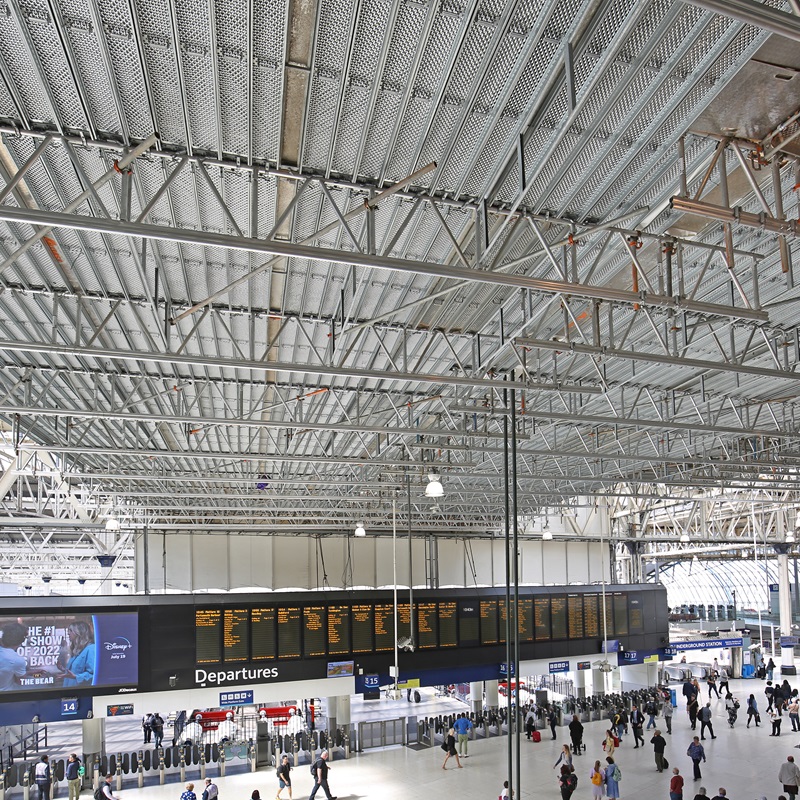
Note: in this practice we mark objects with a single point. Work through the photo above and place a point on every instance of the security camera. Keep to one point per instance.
(46, 578)
(173, 680)
(81, 581)
(405, 643)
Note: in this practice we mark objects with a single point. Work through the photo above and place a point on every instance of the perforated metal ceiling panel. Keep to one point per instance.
(348, 228)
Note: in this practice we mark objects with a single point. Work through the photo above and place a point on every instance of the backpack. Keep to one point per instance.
(212, 790)
(616, 774)
(571, 781)
(314, 769)
(597, 778)
(98, 793)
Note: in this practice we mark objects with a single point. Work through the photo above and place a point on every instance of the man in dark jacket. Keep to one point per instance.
(705, 721)
(73, 775)
(659, 745)
(637, 723)
(688, 690)
(576, 734)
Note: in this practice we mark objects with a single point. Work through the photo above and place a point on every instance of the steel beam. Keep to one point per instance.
(52, 219)
(756, 14)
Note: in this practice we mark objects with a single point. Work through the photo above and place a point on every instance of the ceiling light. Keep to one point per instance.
(789, 537)
(547, 535)
(685, 538)
(112, 524)
(359, 531)
(434, 487)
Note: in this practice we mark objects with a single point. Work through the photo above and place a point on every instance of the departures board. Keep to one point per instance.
(313, 629)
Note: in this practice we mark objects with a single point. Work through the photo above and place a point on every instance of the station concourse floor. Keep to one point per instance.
(745, 762)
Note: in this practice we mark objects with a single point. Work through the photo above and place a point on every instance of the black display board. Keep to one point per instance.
(262, 633)
(208, 636)
(363, 622)
(236, 634)
(289, 623)
(339, 630)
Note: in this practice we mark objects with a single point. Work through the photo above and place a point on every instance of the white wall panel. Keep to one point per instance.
(200, 562)
(292, 564)
(451, 563)
(209, 562)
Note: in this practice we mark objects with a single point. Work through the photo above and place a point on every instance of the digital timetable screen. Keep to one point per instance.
(319, 629)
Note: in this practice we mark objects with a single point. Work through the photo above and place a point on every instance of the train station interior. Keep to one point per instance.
(367, 364)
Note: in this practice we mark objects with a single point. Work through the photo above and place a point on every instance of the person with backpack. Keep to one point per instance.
(284, 778)
(612, 779)
(320, 768)
(211, 791)
(705, 721)
(104, 790)
(158, 729)
(42, 778)
(597, 777)
(651, 711)
(73, 775)
(567, 782)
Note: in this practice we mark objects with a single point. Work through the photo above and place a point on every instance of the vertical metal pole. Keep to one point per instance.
(515, 571)
(146, 556)
(509, 609)
(410, 569)
(394, 581)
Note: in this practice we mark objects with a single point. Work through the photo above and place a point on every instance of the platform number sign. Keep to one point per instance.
(69, 706)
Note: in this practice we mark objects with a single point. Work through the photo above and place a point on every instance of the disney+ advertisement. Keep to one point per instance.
(68, 650)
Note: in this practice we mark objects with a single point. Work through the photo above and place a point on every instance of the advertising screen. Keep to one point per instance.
(68, 651)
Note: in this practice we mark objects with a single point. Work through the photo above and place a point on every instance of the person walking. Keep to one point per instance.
(752, 711)
(552, 719)
(659, 745)
(688, 690)
(723, 681)
(567, 782)
(770, 669)
(667, 712)
(794, 713)
(769, 693)
(789, 776)
(651, 710)
(188, 793)
(610, 743)
(105, 789)
(676, 785)
(637, 723)
(692, 709)
(697, 753)
(73, 775)
(284, 777)
(597, 778)
(321, 769)
(705, 721)
(530, 722)
(566, 756)
(775, 719)
(449, 746)
(732, 707)
(43, 778)
(158, 729)
(210, 790)
(711, 683)
(613, 777)
(147, 727)
(576, 735)
(462, 727)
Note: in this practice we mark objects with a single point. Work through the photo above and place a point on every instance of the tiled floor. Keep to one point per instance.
(745, 762)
